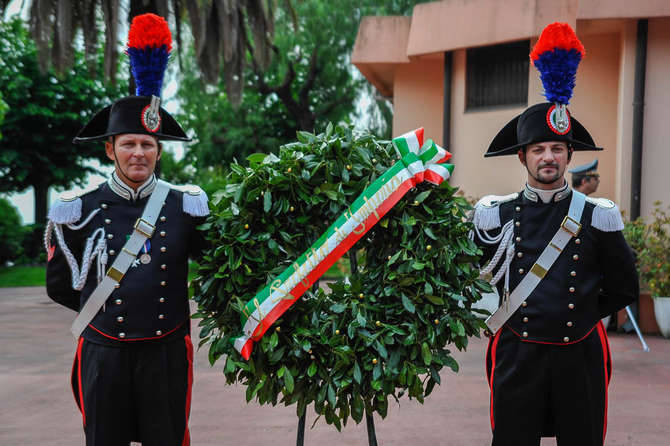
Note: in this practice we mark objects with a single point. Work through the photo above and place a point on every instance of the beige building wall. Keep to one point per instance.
(656, 146)
(418, 97)
(595, 104)
(625, 114)
(471, 134)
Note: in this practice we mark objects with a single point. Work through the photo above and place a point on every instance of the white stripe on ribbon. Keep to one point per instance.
(412, 141)
(440, 170)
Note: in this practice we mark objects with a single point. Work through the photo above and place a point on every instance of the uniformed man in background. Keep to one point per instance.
(585, 178)
(119, 256)
(560, 263)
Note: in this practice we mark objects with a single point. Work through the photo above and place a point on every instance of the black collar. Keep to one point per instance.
(533, 195)
(123, 190)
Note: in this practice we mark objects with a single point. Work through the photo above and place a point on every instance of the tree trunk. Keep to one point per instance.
(370, 424)
(306, 120)
(32, 245)
(41, 205)
(300, 439)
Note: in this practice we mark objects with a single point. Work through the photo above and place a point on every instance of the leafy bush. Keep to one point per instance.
(651, 244)
(383, 334)
(11, 232)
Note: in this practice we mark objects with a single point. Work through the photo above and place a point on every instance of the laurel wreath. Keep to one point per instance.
(348, 346)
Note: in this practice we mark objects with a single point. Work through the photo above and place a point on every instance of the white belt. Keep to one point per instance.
(143, 229)
(568, 229)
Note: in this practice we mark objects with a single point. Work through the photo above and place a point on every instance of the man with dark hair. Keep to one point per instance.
(585, 178)
(560, 263)
(119, 256)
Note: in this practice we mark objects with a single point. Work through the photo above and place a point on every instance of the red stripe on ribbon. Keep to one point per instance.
(326, 263)
(189, 358)
(419, 135)
(446, 158)
(433, 177)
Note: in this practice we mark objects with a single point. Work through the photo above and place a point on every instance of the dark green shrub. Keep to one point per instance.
(11, 232)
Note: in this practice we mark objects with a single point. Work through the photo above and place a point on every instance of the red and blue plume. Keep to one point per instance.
(149, 46)
(556, 55)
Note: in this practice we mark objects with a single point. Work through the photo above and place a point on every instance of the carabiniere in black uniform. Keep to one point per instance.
(134, 361)
(549, 365)
(133, 369)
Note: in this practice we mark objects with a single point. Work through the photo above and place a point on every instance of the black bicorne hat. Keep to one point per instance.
(538, 124)
(149, 46)
(131, 115)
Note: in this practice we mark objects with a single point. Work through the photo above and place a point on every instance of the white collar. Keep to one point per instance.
(546, 196)
(127, 192)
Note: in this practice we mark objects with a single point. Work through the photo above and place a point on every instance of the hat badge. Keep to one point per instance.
(558, 119)
(151, 118)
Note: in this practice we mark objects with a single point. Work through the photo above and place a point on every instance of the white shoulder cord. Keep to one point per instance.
(85, 222)
(506, 246)
(89, 254)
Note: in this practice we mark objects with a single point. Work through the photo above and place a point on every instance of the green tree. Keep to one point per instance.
(220, 29)
(223, 132)
(46, 112)
(310, 82)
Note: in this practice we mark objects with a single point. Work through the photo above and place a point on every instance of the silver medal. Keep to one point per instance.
(145, 258)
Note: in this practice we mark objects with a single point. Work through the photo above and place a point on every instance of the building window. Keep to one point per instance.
(497, 75)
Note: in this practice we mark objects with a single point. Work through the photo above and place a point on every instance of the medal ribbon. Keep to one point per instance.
(418, 162)
(146, 248)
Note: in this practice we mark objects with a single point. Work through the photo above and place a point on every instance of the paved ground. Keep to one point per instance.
(37, 408)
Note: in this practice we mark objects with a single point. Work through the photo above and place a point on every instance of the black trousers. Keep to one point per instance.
(139, 392)
(546, 390)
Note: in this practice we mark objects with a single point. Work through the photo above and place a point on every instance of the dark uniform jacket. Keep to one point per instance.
(593, 277)
(151, 302)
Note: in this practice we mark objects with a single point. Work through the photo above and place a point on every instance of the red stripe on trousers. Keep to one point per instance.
(604, 343)
(493, 367)
(189, 357)
(80, 388)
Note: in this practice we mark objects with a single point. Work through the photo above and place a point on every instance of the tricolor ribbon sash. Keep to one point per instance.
(418, 162)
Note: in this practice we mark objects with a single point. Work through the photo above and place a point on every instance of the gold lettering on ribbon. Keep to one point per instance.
(368, 205)
(251, 316)
(349, 215)
(297, 268)
(260, 321)
(276, 285)
(340, 235)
